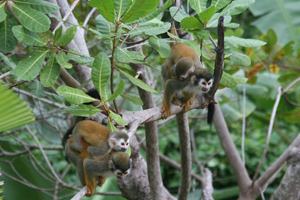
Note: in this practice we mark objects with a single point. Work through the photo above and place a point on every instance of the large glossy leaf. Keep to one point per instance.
(8, 42)
(240, 59)
(178, 14)
(154, 14)
(232, 40)
(40, 5)
(82, 110)
(191, 23)
(2, 12)
(236, 7)
(105, 8)
(138, 82)
(198, 5)
(63, 60)
(133, 99)
(32, 19)
(281, 16)
(14, 111)
(67, 37)
(118, 91)
(117, 118)
(27, 37)
(207, 14)
(50, 72)
(105, 28)
(160, 46)
(29, 68)
(139, 9)
(151, 29)
(120, 7)
(7, 61)
(74, 95)
(37, 89)
(123, 55)
(81, 59)
(220, 3)
(101, 72)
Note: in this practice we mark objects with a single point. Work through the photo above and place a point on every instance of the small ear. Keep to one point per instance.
(182, 78)
(110, 164)
(193, 79)
(111, 142)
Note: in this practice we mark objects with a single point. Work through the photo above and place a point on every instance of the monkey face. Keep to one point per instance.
(205, 85)
(120, 174)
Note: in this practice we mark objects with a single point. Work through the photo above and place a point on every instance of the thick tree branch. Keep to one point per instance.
(185, 155)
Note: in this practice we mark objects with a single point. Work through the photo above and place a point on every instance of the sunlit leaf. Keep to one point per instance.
(139, 9)
(117, 91)
(74, 95)
(133, 99)
(117, 118)
(43, 6)
(82, 110)
(178, 14)
(105, 8)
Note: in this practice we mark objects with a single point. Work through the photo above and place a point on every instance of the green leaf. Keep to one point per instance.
(47, 37)
(120, 7)
(63, 60)
(133, 99)
(50, 72)
(207, 14)
(73, 95)
(150, 29)
(154, 14)
(7, 61)
(244, 42)
(128, 151)
(105, 8)
(178, 14)
(191, 23)
(82, 59)
(37, 89)
(160, 46)
(14, 111)
(32, 19)
(123, 55)
(43, 6)
(240, 80)
(106, 93)
(58, 34)
(118, 91)
(101, 71)
(82, 110)
(111, 127)
(286, 50)
(117, 118)
(271, 39)
(138, 82)
(236, 7)
(220, 3)
(8, 42)
(240, 59)
(198, 5)
(283, 16)
(2, 12)
(29, 68)
(27, 37)
(139, 9)
(67, 37)
(105, 28)
(228, 81)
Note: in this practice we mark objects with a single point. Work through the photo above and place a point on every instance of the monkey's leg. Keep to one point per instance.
(188, 99)
(176, 101)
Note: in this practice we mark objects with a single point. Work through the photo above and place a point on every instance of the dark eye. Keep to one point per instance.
(126, 143)
(120, 174)
(125, 172)
(203, 83)
(122, 143)
(208, 83)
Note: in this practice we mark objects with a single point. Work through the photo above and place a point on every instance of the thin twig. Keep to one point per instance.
(88, 17)
(291, 85)
(4, 75)
(269, 134)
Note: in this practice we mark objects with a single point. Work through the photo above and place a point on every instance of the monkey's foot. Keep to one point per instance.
(165, 113)
(101, 180)
(176, 101)
(88, 194)
(186, 107)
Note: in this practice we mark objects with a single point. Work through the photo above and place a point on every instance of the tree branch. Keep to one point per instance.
(185, 155)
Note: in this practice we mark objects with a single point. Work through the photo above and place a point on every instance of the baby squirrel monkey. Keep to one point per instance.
(183, 77)
(111, 164)
(89, 140)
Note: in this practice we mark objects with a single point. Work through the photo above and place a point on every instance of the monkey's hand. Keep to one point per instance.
(187, 102)
(101, 180)
(176, 101)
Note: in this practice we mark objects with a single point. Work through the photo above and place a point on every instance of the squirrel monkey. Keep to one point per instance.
(111, 164)
(93, 139)
(184, 77)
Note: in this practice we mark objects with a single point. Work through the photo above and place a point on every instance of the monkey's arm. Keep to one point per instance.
(90, 178)
(171, 88)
